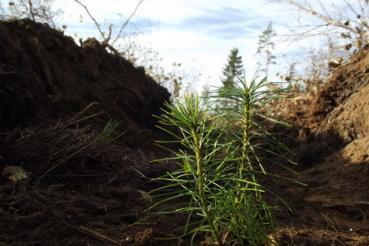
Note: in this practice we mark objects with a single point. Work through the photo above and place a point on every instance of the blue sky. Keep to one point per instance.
(199, 34)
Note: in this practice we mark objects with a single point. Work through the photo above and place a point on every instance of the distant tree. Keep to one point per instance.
(291, 76)
(266, 45)
(206, 93)
(233, 69)
(293, 80)
(36, 10)
(231, 72)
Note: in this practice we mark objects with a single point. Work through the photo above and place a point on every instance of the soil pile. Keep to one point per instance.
(45, 75)
(62, 182)
(333, 158)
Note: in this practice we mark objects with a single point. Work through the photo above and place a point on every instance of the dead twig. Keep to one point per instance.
(93, 233)
(126, 23)
(340, 235)
(106, 40)
(93, 19)
(140, 174)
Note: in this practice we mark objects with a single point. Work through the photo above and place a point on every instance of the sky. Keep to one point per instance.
(199, 34)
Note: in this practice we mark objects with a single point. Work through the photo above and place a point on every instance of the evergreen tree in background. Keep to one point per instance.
(291, 76)
(231, 72)
(266, 45)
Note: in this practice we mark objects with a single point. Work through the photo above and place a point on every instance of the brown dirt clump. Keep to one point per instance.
(339, 112)
(333, 158)
(73, 188)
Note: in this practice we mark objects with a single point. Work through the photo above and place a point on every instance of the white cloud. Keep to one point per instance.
(182, 30)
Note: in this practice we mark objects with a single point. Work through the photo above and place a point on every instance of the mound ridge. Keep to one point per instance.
(46, 75)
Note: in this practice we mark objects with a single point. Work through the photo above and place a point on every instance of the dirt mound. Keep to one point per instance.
(62, 183)
(45, 75)
(333, 154)
(340, 120)
(339, 112)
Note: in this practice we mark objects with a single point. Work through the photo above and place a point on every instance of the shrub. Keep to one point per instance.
(219, 167)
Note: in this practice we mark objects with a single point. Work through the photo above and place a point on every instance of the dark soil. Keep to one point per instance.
(55, 99)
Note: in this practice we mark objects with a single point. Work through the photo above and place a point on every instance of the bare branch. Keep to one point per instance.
(352, 9)
(323, 17)
(346, 26)
(106, 40)
(94, 20)
(31, 9)
(126, 23)
(109, 34)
